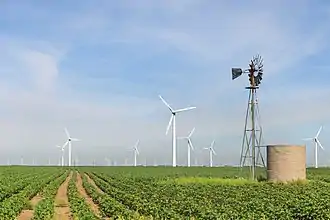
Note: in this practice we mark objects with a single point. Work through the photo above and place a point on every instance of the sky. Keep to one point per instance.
(97, 68)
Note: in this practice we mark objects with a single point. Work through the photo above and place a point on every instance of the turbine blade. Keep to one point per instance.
(319, 143)
(169, 124)
(168, 106)
(67, 132)
(66, 143)
(307, 139)
(137, 143)
(184, 109)
(212, 144)
(180, 138)
(137, 151)
(319, 131)
(213, 151)
(191, 133)
(75, 139)
(190, 144)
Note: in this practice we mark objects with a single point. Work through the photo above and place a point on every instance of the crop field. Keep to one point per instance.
(88, 193)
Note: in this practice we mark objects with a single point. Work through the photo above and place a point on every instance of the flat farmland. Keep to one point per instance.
(157, 193)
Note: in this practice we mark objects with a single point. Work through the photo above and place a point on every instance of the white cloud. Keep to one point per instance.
(42, 68)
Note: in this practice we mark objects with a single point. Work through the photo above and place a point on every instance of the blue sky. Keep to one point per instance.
(97, 67)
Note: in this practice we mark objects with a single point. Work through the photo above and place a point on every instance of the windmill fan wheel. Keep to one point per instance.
(256, 70)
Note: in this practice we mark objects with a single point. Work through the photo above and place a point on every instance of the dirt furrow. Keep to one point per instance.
(27, 214)
(62, 208)
(84, 194)
(93, 184)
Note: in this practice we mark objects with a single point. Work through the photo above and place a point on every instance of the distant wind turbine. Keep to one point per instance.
(62, 153)
(69, 140)
(172, 122)
(211, 151)
(317, 143)
(190, 145)
(136, 152)
(108, 161)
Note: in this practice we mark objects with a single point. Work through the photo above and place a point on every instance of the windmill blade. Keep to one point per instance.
(184, 109)
(169, 124)
(212, 144)
(213, 151)
(137, 151)
(137, 143)
(319, 143)
(206, 148)
(307, 139)
(319, 131)
(75, 139)
(168, 106)
(191, 133)
(66, 143)
(190, 144)
(180, 138)
(67, 132)
(58, 146)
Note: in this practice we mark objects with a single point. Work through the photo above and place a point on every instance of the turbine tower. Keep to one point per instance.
(69, 140)
(211, 152)
(252, 138)
(190, 145)
(136, 152)
(317, 143)
(172, 122)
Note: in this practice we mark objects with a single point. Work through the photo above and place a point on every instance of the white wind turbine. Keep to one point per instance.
(70, 139)
(136, 152)
(172, 122)
(317, 143)
(190, 145)
(108, 161)
(62, 153)
(211, 151)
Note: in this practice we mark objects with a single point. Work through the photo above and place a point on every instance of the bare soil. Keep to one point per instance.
(84, 194)
(93, 184)
(62, 208)
(27, 214)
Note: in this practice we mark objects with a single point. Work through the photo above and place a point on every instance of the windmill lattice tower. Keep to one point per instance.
(252, 138)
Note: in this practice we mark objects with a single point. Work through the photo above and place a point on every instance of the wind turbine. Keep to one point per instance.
(317, 144)
(190, 146)
(172, 122)
(70, 139)
(211, 150)
(136, 151)
(108, 161)
(62, 153)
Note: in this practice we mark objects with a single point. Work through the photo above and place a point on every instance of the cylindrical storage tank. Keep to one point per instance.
(286, 163)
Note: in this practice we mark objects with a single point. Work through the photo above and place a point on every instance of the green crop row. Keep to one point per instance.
(78, 206)
(13, 181)
(13, 205)
(108, 206)
(45, 208)
(134, 201)
(201, 200)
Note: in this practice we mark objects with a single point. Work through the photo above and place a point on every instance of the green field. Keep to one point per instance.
(157, 193)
